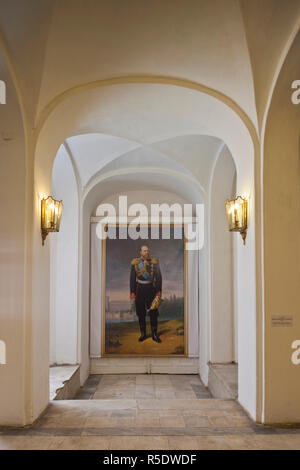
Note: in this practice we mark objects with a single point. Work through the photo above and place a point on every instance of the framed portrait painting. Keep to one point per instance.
(144, 309)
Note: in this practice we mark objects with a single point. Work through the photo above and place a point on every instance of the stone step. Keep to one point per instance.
(223, 380)
(144, 365)
(143, 404)
(64, 381)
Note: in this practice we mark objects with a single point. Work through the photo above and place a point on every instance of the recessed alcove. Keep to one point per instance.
(162, 104)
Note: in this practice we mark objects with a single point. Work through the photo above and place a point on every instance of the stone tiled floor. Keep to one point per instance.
(143, 386)
(144, 422)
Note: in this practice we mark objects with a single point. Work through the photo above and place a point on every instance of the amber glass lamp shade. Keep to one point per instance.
(51, 211)
(236, 211)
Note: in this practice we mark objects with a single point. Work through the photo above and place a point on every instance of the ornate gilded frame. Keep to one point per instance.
(103, 284)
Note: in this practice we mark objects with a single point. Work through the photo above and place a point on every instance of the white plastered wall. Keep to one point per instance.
(64, 265)
(222, 262)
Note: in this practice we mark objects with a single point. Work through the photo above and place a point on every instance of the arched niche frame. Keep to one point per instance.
(147, 110)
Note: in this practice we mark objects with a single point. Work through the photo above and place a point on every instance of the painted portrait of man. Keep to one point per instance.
(144, 311)
(145, 290)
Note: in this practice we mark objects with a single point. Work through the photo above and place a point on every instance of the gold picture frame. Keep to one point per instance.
(103, 297)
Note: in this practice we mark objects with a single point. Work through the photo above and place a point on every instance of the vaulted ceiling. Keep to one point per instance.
(95, 155)
(231, 46)
(57, 47)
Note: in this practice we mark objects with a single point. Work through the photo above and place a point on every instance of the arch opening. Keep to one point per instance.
(121, 112)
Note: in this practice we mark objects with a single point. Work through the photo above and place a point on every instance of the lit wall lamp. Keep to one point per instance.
(50, 216)
(236, 212)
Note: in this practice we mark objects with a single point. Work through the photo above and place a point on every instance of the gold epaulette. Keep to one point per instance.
(135, 261)
(154, 260)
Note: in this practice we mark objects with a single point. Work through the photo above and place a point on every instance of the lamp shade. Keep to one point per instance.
(51, 211)
(236, 211)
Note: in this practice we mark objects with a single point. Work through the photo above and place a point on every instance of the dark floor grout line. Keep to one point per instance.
(156, 431)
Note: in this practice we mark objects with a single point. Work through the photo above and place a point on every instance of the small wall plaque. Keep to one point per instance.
(282, 320)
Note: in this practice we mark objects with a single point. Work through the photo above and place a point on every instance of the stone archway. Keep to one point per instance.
(90, 110)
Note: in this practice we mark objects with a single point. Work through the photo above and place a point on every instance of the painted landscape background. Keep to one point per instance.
(121, 323)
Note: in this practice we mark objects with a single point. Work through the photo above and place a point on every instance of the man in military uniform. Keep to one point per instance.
(145, 290)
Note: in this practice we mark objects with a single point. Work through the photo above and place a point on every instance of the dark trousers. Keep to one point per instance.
(144, 297)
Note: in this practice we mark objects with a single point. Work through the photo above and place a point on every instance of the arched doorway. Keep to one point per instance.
(104, 117)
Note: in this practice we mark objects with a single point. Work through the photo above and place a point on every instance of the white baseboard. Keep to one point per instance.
(144, 365)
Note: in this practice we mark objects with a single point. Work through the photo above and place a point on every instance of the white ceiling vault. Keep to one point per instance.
(140, 125)
(99, 154)
(55, 45)
(61, 51)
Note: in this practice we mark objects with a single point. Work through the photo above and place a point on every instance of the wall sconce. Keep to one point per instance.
(236, 212)
(50, 216)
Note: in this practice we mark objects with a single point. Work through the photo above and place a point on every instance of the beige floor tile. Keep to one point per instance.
(180, 380)
(219, 421)
(197, 443)
(25, 443)
(123, 413)
(194, 413)
(163, 380)
(108, 383)
(139, 443)
(80, 443)
(152, 422)
(152, 404)
(126, 380)
(147, 419)
(144, 395)
(228, 420)
(181, 385)
(127, 422)
(149, 401)
(127, 394)
(100, 413)
(164, 394)
(114, 404)
(145, 388)
(57, 410)
(163, 413)
(259, 442)
(64, 415)
(103, 396)
(164, 387)
(100, 422)
(116, 388)
(196, 421)
(240, 442)
(63, 421)
(172, 421)
(293, 441)
(165, 404)
(116, 385)
(166, 390)
(239, 421)
(144, 379)
(185, 394)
